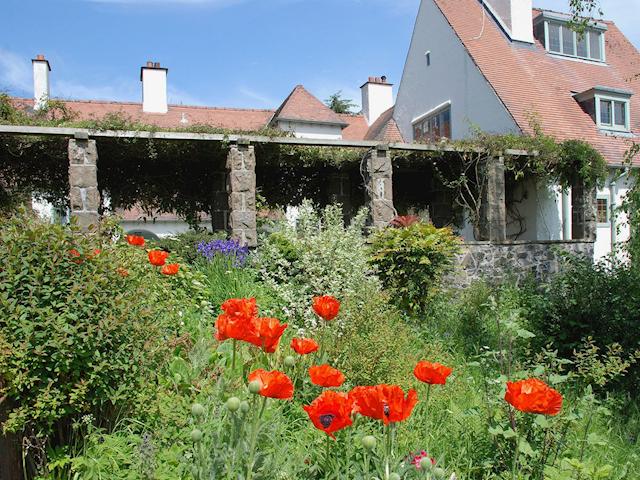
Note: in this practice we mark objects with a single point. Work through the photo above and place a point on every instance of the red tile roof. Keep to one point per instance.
(301, 105)
(385, 129)
(529, 81)
(356, 128)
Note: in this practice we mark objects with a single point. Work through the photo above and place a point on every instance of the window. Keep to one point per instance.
(553, 31)
(608, 107)
(433, 127)
(613, 114)
(605, 112)
(602, 210)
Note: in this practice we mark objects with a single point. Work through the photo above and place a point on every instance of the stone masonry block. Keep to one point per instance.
(91, 199)
(242, 181)
(83, 152)
(75, 198)
(83, 176)
(243, 220)
(85, 219)
(380, 166)
(241, 158)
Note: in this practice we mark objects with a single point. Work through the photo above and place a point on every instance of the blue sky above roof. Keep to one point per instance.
(238, 53)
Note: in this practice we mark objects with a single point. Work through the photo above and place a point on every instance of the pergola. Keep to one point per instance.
(240, 176)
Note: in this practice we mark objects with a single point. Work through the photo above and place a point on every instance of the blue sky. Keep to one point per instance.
(242, 53)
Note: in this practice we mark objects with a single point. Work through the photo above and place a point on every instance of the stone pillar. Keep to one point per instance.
(241, 187)
(83, 181)
(583, 214)
(492, 224)
(379, 187)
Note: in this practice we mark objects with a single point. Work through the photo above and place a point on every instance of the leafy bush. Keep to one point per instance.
(84, 324)
(600, 301)
(411, 261)
(185, 245)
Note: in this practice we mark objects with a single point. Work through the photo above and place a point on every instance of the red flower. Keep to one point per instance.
(238, 320)
(404, 221)
(75, 255)
(417, 458)
(135, 240)
(158, 257)
(533, 396)
(268, 333)
(123, 272)
(171, 269)
(273, 384)
(326, 376)
(326, 307)
(384, 402)
(304, 346)
(432, 373)
(330, 412)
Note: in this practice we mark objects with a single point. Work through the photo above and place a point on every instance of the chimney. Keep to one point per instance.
(515, 16)
(41, 69)
(154, 88)
(377, 98)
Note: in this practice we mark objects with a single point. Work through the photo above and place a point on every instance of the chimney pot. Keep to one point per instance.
(150, 64)
(156, 65)
(40, 57)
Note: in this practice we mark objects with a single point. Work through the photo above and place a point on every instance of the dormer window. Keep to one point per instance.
(609, 107)
(554, 32)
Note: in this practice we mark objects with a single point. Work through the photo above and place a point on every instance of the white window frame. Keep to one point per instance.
(627, 109)
(587, 35)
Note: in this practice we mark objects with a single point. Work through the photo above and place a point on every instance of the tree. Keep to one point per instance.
(338, 104)
(582, 11)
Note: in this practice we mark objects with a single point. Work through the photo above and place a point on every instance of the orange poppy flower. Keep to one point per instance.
(384, 402)
(158, 257)
(171, 269)
(326, 376)
(268, 333)
(330, 412)
(533, 396)
(238, 320)
(123, 272)
(135, 240)
(432, 373)
(326, 307)
(274, 384)
(304, 346)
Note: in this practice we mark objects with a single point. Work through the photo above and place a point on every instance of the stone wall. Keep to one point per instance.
(518, 259)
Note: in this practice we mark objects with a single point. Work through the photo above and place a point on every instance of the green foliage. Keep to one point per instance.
(76, 336)
(579, 160)
(338, 104)
(411, 261)
(184, 244)
(600, 302)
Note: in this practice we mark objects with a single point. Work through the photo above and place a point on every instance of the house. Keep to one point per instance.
(301, 114)
(496, 65)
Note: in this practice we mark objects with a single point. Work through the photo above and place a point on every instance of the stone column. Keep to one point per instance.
(380, 187)
(241, 187)
(583, 214)
(83, 181)
(493, 216)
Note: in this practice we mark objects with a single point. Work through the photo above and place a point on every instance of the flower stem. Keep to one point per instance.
(254, 439)
(326, 456)
(514, 469)
(233, 357)
(387, 452)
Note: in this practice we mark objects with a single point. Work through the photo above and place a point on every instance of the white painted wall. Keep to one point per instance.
(312, 130)
(540, 206)
(377, 98)
(616, 232)
(41, 91)
(154, 90)
(452, 75)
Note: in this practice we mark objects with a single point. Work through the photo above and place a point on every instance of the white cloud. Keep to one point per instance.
(15, 72)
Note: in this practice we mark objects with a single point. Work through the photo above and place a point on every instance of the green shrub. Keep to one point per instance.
(600, 301)
(76, 335)
(184, 244)
(411, 261)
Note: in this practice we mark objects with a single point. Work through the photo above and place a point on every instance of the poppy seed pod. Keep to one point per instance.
(394, 476)
(197, 410)
(244, 406)
(255, 386)
(289, 361)
(439, 472)
(369, 442)
(196, 436)
(425, 463)
(233, 404)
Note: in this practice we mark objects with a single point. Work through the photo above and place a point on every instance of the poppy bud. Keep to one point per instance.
(439, 472)
(233, 404)
(255, 387)
(394, 476)
(244, 406)
(196, 436)
(425, 463)
(289, 361)
(369, 442)
(197, 410)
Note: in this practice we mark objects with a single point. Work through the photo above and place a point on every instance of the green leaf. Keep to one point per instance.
(525, 448)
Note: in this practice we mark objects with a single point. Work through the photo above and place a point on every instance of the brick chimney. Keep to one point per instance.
(377, 98)
(515, 17)
(41, 69)
(154, 88)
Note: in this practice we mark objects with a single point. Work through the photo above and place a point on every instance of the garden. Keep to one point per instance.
(326, 353)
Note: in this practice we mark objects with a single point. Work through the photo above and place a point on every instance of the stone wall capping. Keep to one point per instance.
(81, 135)
(508, 243)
